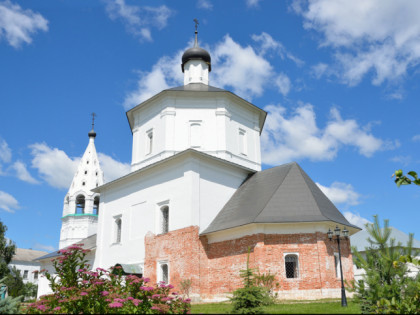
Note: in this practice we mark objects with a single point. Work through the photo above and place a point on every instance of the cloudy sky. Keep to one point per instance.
(340, 80)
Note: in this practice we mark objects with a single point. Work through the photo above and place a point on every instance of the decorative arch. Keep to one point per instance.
(80, 204)
(96, 205)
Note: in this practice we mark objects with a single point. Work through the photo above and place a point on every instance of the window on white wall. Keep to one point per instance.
(118, 229)
(164, 219)
(163, 274)
(242, 142)
(195, 134)
(291, 265)
(149, 141)
(36, 275)
(337, 265)
(25, 274)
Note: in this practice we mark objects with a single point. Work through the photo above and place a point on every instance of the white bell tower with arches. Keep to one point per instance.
(81, 205)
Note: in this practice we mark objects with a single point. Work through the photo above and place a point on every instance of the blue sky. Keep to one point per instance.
(339, 80)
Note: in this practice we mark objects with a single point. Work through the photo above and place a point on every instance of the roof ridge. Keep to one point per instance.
(305, 176)
(275, 190)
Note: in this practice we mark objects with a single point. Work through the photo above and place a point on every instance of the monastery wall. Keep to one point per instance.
(214, 268)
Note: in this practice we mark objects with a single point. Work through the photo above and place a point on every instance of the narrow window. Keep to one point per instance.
(337, 265)
(83, 184)
(164, 219)
(118, 226)
(164, 273)
(242, 142)
(80, 204)
(85, 172)
(96, 205)
(149, 142)
(36, 275)
(25, 274)
(291, 266)
(195, 135)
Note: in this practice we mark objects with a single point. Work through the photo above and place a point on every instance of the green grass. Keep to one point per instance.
(296, 307)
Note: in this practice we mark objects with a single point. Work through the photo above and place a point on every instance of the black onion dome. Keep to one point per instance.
(196, 53)
(92, 133)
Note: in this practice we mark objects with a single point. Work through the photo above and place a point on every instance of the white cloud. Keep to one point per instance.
(139, 19)
(22, 172)
(378, 37)
(341, 193)
(283, 83)
(252, 3)
(8, 202)
(58, 169)
(416, 138)
(165, 73)
(18, 25)
(233, 67)
(268, 45)
(204, 4)
(297, 137)
(113, 169)
(356, 219)
(53, 165)
(237, 66)
(48, 248)
(5, 154)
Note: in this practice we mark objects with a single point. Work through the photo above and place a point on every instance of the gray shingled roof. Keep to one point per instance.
(359, 240)
(281, 194)
(88, 243)
(23, 254)
(196, 87)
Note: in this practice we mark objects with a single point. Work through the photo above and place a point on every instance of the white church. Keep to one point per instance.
(196, 199)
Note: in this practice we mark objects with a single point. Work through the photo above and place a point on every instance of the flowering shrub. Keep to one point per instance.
(79, 290)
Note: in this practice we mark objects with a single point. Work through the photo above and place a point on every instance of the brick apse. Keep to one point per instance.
(214, 267)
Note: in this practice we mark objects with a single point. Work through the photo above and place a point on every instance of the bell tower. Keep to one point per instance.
(81, 205)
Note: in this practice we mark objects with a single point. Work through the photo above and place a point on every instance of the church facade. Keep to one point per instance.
(196, 200)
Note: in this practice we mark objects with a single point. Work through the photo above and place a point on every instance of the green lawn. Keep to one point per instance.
(298, 307)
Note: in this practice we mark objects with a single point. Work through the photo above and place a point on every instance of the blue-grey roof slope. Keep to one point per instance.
(360, 239)
(88, 243)
(282, 194)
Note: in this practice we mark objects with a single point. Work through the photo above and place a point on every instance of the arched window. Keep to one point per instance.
(96, 205)
(291, 265)
(195, 135)
(164, 219)
(242, 142)
(164, 272)
(80, 204)
(149, 141)
(118, 227)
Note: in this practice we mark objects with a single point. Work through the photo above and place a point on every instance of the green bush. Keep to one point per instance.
(10, 305)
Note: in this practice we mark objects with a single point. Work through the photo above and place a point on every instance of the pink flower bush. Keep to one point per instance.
(82, 291)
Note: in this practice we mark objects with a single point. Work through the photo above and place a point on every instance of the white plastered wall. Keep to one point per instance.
(219, 116)
(194, 187)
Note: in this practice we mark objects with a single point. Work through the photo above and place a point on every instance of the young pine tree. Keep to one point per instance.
(384, 279)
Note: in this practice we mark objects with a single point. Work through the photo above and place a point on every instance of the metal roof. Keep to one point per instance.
(88, 243)
(23, 254)
(282, 194)
(359, 240)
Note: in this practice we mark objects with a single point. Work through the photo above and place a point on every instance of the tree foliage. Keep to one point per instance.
(7, 250)
(401, 179)
(386, 286)
(250, 298)
(14, 282)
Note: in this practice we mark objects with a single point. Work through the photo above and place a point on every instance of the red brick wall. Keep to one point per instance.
(214, 268)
